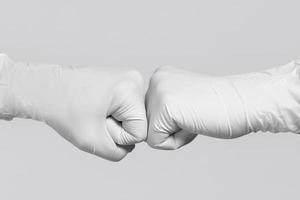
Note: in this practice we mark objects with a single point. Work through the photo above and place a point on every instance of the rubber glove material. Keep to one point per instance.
(99, 110)
(182, 104)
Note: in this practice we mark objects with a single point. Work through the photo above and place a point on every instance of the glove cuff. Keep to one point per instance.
(5, 95)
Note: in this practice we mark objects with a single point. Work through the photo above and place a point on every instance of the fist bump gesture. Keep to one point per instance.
(102, 110)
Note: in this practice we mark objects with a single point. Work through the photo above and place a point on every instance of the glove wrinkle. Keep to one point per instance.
(224, 107)
(225, 110)
(245, 109)
(75, 102)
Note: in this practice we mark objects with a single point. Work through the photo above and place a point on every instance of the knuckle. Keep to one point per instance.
(163, 68)
(159, 93)
(140, 137)
(160, 74)
(136, 130)
(132, 82)
(154, 140)
(135, 76)
(157, 76)
(159, 87)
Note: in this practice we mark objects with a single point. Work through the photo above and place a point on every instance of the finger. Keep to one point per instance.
(129, 109)
(118, 133)
(164, 132)
(176, 140)
(168, 136)
(110, 150)
(132, 119)
(95, 139)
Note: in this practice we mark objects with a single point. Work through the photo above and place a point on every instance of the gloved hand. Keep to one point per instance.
(182, 104)
(99, 110)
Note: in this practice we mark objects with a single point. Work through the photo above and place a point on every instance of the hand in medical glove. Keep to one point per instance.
(182, 104)
(99, 110)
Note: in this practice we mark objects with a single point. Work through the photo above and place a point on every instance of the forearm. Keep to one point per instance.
(21, 82)
(268, 100)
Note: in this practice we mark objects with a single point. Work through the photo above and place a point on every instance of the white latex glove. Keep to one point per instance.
(182, 104)
(99, 110)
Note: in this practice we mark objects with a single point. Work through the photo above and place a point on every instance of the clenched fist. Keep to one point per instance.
(182, 104)
(99, 110)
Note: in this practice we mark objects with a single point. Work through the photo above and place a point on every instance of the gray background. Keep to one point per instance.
(218, 37)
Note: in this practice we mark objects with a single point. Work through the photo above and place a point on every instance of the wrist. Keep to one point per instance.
(21, 85)
(232, 106)
(27, 88)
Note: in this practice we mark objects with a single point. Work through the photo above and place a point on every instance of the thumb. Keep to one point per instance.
(176, 140)
(94, 138)
(118, 133)
(128, 124)
(127, 121)
(164, 133)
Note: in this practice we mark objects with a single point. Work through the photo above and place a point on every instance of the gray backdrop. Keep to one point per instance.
(217, 37)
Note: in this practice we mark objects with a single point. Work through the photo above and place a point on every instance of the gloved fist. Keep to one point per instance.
(182, 104)
(99, 110)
